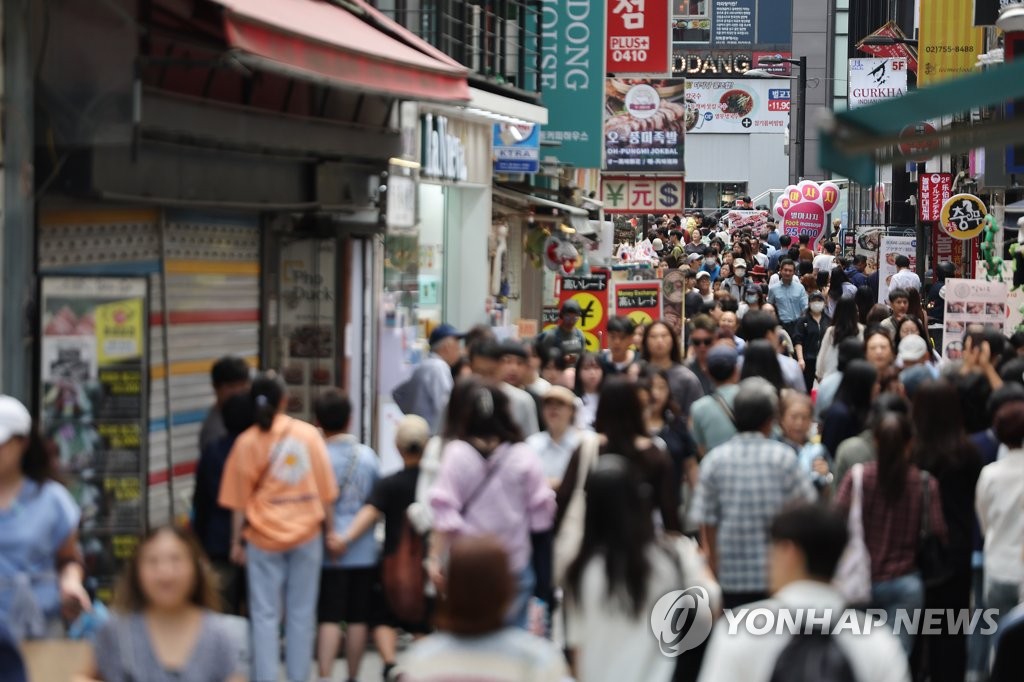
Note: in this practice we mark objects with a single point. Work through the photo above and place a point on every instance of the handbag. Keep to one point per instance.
(570, 534)
(853, 574)
(932, 560)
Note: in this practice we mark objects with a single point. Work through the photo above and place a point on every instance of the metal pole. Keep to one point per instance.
(921, 251)
(802, 118)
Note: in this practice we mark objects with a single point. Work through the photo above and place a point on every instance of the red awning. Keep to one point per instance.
(323, 42)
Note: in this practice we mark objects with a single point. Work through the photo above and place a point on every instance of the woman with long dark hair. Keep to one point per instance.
(165, 627)
(279, 483)
(622, 570)
(760, 359)
(662, 350)
(845, 325)
(665, 422)
(490, 483)
(891, 508)
(943, 450)
(589, 377)
(849, 411)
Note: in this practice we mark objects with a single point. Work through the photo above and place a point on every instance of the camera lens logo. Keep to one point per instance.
(681, 620)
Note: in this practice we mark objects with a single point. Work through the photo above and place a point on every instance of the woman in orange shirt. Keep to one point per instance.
(278, 481)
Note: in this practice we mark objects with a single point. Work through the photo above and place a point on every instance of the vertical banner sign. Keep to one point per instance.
(640, 301)
(638, 37)
(949, 41)
(516, 148)
(933, 191)
(645, 125)
(945, 248)
(873, 80)
(898, 49)
(971, 305)
(804, 208)
(622, 194)
(94, 389)
(591, 292)
(571, 70)
(893, 246)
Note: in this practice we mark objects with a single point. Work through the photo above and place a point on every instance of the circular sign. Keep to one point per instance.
(593, 311)
(640, 318)
(642, 101)
(593, 343)
(674, 286)
(962, 216)
(918, 150)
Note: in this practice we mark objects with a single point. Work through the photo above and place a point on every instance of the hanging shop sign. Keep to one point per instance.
(571, 66)
(443, 154)
(949, 43)
(873, 80)
(933, 191)
(804, 208)
(591, 293)
(400, 203)
(624, 194)
(897, 49)
(94, 394)
(971, 305)
(737, 106)
(516, 148)
(645, 123)
(639, 301)
(945, 248)
(962, 215)
(638, 37)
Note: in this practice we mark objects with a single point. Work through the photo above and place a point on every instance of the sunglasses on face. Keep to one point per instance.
(700, 342)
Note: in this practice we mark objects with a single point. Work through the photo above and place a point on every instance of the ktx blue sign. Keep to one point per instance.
(516, 148)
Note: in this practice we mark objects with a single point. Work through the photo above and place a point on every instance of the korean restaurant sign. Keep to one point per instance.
(873, 79)
(571, 73)
(645, 124)
(638, 37)
(736, 106)
(949, 43)
(804, 208)
(934, 190)
(962, 216)
(623, 194)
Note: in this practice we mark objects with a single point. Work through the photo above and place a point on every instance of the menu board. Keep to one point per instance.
(736, 106)
(94, 387)
(644, 126)
(971, 305)
(307, 316)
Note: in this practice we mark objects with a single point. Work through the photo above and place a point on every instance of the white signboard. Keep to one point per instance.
(737, 106)
(892, 247)
(971, 304)
(873, 80)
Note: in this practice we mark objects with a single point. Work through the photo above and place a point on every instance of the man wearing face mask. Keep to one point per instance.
(711, 265)
(810, 328)
(737, 284)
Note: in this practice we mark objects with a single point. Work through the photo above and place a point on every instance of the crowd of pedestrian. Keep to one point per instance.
(803, 447)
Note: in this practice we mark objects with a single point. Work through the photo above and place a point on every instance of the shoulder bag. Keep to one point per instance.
(853, 574)
(570, 534)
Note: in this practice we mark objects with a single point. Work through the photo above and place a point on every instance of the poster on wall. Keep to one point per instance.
(645, 124)
(93, 360)
(891, 247)
(736, 106)
(638, 37)
(868, 242)
(971, 305)
(748, 219)
(673, 285)
(639, 301)
(804, 208)
(874, 80)
(727, 37)
(591, 293)
(571, 79)
(307, 321)
(516, 148)
(625, 194)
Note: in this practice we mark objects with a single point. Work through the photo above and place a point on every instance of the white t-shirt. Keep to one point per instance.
(824, 261)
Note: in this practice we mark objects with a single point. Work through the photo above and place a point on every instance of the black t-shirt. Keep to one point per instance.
(392, 496)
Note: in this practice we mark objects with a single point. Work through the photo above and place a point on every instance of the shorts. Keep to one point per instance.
(382, 615)
(345, 595)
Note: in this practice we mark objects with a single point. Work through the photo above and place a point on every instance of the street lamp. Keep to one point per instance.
(801, 112)
(886, 41)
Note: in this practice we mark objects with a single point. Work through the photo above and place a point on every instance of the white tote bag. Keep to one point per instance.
(853, 575)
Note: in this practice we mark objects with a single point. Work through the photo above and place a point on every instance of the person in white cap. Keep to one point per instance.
(41, 568)
(704, 286)
(736, 285)
(913, 350)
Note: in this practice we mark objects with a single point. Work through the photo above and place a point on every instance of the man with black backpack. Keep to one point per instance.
(807, 542)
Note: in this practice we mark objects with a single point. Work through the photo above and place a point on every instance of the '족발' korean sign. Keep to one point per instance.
(934, 190)
(737, 106)
(638, 37)
(642, 195)
(645, 124)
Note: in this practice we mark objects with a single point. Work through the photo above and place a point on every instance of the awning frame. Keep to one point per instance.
(577, 218)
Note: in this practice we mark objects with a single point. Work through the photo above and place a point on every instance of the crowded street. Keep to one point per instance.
(512, 341)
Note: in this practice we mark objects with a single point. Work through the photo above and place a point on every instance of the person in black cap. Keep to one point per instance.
(426, 392)
(566, 336)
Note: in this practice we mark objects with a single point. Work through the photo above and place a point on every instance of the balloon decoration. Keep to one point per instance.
(804, 207)
(993, 261)
(560, 255)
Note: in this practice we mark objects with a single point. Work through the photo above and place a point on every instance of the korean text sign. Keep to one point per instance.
(736, 106)
(803, 208)
(645, 125)
(949, 43)
(934, 190)
(638, 37)
(571, 70)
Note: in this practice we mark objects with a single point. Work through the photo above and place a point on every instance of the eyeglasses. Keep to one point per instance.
(700, 342)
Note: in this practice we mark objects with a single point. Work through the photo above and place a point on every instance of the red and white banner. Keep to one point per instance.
(624, 194)
(934, 189)
(638, 37)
